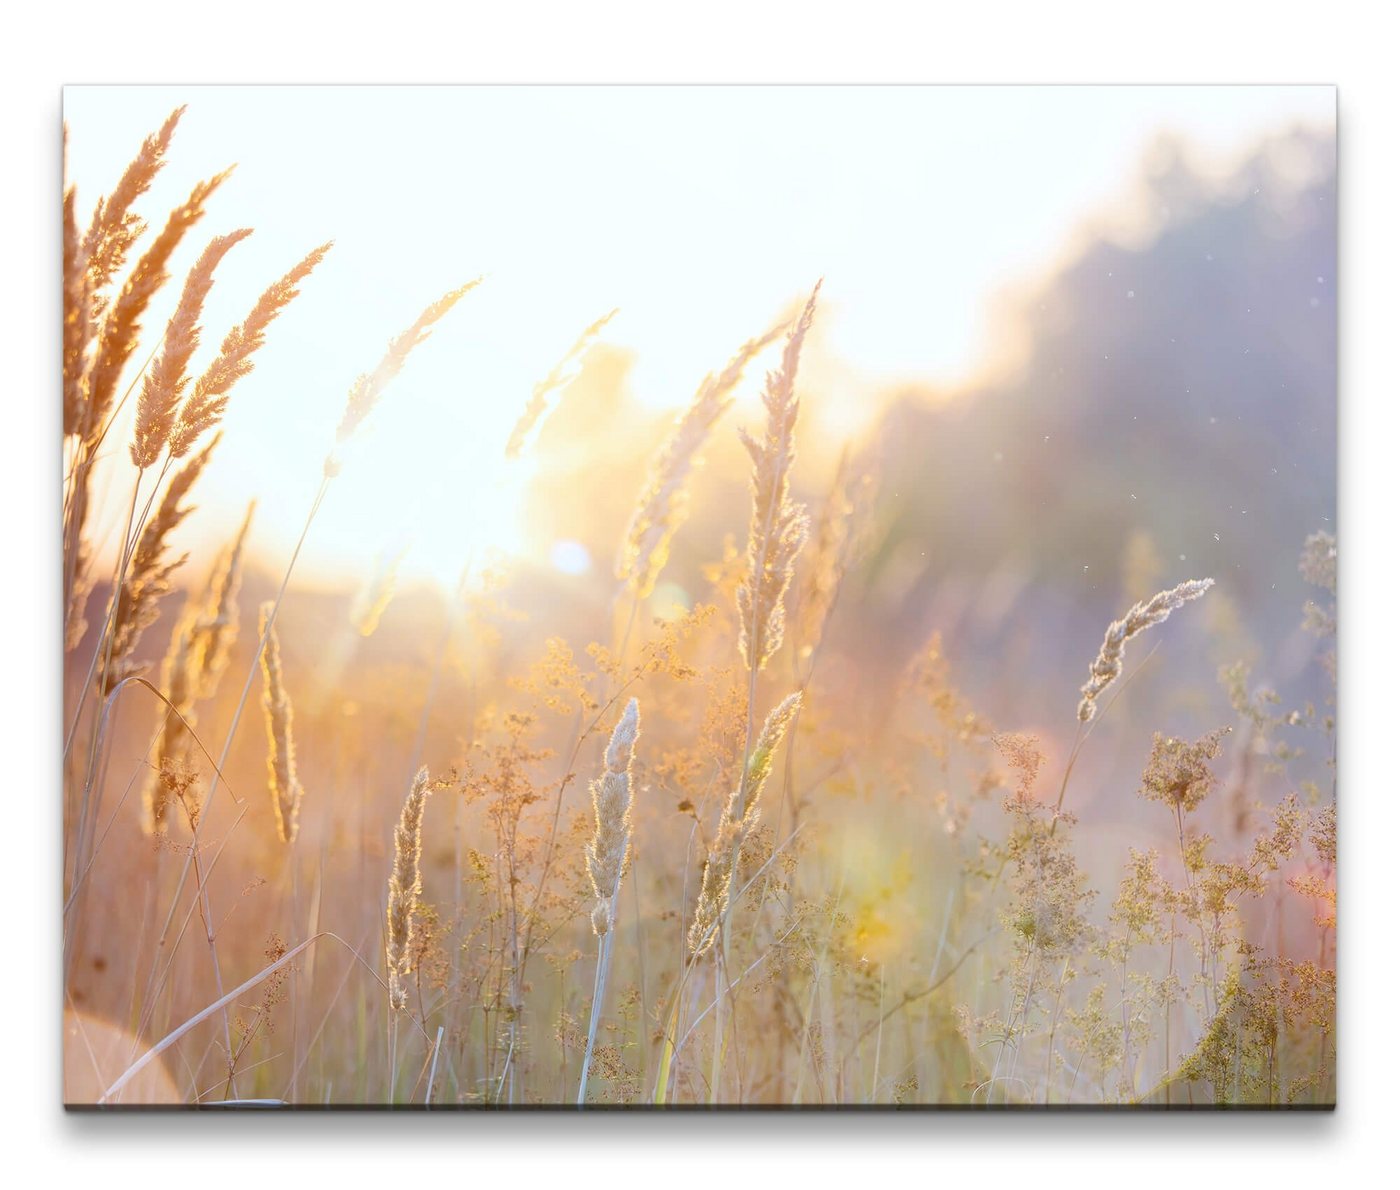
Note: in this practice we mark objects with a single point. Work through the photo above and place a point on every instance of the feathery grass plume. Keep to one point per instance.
(612, 813)
(174, 747)
(373, 599)
(218, 625)
(663, 502)
(121, 328)
(547, 391)
(199, 653)
(405, 884)
(779, 527)
(89, 373)
(835, 543)
(368, 388)
(77, 316)
(164, 384)
(115, 227)
(281, 756)
(736, 823)
(1109, 663)
(147, 578)
(210, 394)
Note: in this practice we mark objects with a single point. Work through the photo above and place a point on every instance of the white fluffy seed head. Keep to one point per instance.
(612, 812)
(405, 885)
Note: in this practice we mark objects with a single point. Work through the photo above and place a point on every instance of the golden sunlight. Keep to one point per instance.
(700, 596)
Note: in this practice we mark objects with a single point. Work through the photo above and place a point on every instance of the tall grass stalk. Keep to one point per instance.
(600, 988)
(606, 858)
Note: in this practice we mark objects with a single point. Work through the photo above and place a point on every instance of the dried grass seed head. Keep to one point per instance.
(405, 886)
(1141, 616)
(369, 387)
(217, 626)
(736, 823)
(548, 390)
(612, 812)
(663, 503)
(281, 757)
(147, 579)
(121, 327)
(779, 526)
(163, 386)
(209, 397)
(115, 227)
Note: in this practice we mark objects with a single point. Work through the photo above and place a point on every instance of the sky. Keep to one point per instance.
(701, 213)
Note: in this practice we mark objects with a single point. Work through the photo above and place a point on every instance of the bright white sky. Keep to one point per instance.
(700, 212)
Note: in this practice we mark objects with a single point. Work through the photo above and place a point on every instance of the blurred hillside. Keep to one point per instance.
(1171, 414)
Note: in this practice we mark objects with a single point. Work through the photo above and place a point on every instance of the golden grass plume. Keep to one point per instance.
(147, 579)
(115, 227)
(92, 260)
(77, 317)
(164, 384)
(405, 884)
(217, 625)
(548, 390)
(121, 327)
(281, 757)
(736, 823)
(370, 386)
(663, 503)
(779, 526)
(210, 394)
(199, 653)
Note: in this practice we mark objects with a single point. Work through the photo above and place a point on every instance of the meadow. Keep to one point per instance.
(720, 832)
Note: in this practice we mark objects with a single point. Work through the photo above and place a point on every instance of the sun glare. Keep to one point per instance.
(901, 291)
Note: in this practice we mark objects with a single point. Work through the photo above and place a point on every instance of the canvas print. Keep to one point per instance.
(683, 597)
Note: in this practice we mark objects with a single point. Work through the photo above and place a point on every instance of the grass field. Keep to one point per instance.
(708, 825)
